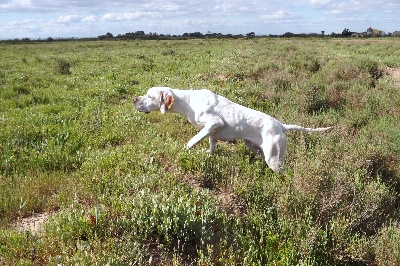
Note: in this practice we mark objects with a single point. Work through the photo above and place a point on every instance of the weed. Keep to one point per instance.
(62, 66)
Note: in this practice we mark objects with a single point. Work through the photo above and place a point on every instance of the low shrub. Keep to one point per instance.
(62, 66)
(387, 249)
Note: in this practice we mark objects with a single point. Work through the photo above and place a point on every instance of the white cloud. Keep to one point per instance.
(89, 19)
(111, 17)
(280, 15)
(69, 18)
(127, 16)
(336, 11)
(14, 4)
(320, 2)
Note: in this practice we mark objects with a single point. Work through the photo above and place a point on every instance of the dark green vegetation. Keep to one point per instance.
(122, 190)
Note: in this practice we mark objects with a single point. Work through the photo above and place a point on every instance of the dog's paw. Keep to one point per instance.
(190, 144)
(187, 146)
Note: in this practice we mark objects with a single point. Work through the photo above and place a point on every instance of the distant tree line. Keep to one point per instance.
(186, 35)
(154, 36)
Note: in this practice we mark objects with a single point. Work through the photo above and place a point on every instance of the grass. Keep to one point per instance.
(122, 189)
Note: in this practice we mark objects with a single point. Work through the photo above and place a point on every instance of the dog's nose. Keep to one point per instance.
(135, 102)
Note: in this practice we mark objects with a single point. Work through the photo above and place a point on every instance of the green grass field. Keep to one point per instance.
(120, 189)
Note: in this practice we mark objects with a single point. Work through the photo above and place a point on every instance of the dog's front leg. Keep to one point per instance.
(205, 132)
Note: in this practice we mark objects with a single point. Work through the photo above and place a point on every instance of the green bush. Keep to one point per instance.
(62, 66)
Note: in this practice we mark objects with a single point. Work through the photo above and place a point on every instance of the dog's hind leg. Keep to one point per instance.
(212, 145)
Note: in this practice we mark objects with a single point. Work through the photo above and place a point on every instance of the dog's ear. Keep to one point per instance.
(169, 101)
(166, 101)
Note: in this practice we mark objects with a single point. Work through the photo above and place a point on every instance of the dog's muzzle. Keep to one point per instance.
(136, 104)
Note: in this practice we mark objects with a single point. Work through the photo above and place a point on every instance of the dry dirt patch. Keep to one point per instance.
(33, 223)
(394, 73)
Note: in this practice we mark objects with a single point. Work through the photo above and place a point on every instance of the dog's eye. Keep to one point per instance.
(149, 96)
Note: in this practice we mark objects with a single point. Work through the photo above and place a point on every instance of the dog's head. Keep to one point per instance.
(156, 98)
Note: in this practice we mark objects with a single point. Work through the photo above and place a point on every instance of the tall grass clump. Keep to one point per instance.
(62, 66)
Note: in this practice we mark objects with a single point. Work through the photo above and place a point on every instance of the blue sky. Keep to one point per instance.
(73, 18)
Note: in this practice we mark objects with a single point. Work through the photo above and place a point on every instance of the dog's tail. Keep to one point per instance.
(305, 129)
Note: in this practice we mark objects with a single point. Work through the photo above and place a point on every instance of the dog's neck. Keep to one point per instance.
(182, 102)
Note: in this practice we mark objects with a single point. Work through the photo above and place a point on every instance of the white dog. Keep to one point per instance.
(220, 119)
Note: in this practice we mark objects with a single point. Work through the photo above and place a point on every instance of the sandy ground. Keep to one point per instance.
(394, 73)
(32, 223)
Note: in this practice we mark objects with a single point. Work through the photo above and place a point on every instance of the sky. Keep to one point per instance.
(42, 19)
